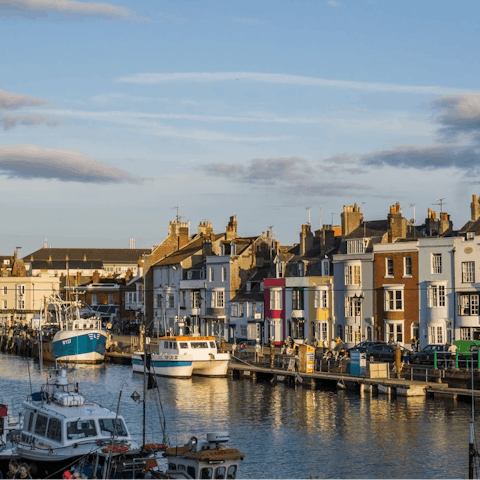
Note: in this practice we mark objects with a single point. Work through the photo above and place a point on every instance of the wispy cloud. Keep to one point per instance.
(186, 116)
(15, 101)
(67, 8)
(332, 3)
(8, 122)
(288, 175)
(12, 101)
(30, 162)
(274, 78)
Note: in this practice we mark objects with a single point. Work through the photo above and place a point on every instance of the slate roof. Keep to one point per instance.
(471, 226)
(255, 294)
(62, 265)
(107, 255)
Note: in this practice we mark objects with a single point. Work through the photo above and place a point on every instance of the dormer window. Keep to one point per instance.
(325, 267)
(301, 269)
(233, 249)
(279, 270)
(356, 245)
(470, 235)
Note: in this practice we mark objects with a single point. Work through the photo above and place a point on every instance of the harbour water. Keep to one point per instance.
(284, 432)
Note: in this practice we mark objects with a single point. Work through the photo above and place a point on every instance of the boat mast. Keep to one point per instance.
(471, 437)
(144, 351)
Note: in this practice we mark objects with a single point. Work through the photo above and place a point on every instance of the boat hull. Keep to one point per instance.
(79, 347)
(210, 368)
(164, 367)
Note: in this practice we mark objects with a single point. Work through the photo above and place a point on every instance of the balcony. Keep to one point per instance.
(298, 313)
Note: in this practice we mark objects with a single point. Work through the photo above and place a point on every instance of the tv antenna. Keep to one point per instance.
(440, 201)
(308, 208)
(177, 216)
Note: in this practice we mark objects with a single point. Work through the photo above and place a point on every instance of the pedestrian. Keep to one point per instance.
(413, 343)
(234, 348)
(258, 350)
(12, 469)
(452, 349)
(23, 471)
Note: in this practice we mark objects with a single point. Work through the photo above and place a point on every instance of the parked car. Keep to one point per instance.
(379, 351)
(427, 354)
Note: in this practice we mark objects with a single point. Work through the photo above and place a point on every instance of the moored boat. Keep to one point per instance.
(182, 356)
(67, 335)
(61, 427)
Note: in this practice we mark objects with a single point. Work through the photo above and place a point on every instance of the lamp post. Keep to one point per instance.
(357, 305)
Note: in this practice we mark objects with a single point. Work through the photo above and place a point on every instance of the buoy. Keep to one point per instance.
(115, 449)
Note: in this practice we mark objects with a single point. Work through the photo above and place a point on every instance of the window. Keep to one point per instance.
(21, 304)
(436, 335)
(325, 268)
(5, 290)
(279, 270)
(393, 300)
(465, 333)
(348, 333)
(170, 300)
(234, 311)
(183, 299)
(394, 332)
(111, 300)
(159, 299)
(243, 330)
(436, 295)
(301, 269)
(233, 248)
(407, 266)
(352, 274)
(189, 275)
(353, 307)
(197, 300)
(321, 299)
(389, 267)
(224, 274)
(21, 289)
(112, 427)
(41, 425)
(297, 299)
(356, 246)
(54, 431)
(4, 304)
(468, 272)
(470, 235)
(276, 299)
(211, 275)
(217, 299)
(468, 304)
(241, 309)
(94, 299)
(436, 263)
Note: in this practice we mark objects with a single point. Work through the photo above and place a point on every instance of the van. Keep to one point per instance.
(466, 347)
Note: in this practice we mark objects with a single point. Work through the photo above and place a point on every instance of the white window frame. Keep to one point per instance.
(111, 299)
(356, 246)
(468, 272)
(276, 299)
(94, 299)
(348, 333)
(224, 274)
(394, 331)
(389, 271)
(436, 296)
(394, 300)
(325, 267)
(436, 263)
(353, 274)
(353, 307)
(468, 304)
(321, 299)
(211, 274)
(20, 304)
(234, 310)
(301, 269)
(436, 334)
(241, 309)
(407, 266)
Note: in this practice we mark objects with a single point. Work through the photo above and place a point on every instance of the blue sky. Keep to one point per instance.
(112, 114)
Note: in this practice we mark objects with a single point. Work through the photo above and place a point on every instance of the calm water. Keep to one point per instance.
(285, 432)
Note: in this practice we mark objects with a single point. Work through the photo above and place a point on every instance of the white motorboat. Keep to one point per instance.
(61, 427)
(10, 428)
(182, 356)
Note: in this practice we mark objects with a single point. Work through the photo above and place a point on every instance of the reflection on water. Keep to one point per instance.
(284, 432)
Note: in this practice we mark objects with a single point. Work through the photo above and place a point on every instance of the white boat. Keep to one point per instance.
(61, 427)
(203, 459)
(184, 356)
(64, 334)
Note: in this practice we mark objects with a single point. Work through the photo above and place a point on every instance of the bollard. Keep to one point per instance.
(272, 353)
(435, 359)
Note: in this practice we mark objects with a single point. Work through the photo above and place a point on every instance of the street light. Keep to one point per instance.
(357, 305)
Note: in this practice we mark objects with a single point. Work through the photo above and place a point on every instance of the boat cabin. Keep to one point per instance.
(205, 459)
(199, 347)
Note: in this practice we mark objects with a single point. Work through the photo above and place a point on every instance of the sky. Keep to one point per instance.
(117, 116)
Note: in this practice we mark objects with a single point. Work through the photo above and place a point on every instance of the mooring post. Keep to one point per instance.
(272, 353)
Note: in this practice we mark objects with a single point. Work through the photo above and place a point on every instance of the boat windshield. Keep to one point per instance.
(113, 426)
(199, 344)
(81, 429)
(183, 344)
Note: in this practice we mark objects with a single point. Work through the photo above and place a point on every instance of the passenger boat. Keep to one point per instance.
(182, 356)
(64, 334)
(203, 459)
(61, 427)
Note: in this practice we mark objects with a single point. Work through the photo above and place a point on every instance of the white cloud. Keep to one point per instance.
(332, 3)
(275, 78)
(7, 122)
(29, 162)
(70, 8)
